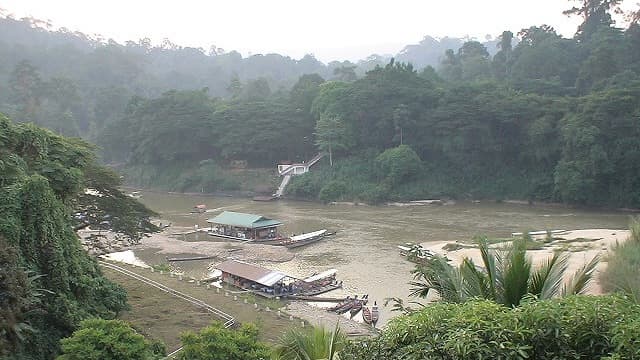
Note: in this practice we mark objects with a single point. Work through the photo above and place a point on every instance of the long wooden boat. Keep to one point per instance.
(366, 315)
(346, 307)
(375, 313)
(355, 309)
(290, 242)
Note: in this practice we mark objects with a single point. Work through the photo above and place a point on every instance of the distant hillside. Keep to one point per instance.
(76, 84)
(429, 51)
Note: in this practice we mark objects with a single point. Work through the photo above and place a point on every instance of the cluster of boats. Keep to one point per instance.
(416, 253)
(370, 315)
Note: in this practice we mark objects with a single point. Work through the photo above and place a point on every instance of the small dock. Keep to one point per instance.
(264, 198)
(192, 258)
(315, 298)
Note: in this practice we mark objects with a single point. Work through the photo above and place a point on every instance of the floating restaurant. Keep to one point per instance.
(262, 281)
(241, 226)
(257, 228)
(272, 283)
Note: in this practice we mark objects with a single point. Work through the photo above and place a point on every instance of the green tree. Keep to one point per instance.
(332, 134)
(18, 300)
(26, 90)
(345, 73)
(217, 343)
(43, 181)
(595, 14)
(310, 344)
(108, 340)
(398, 164)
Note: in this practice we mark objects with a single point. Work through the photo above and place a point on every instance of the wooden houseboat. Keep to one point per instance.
(262, 281)
(258, 229)
(271, 283)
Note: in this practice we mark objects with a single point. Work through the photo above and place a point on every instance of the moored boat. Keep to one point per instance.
(375, 313)
(258, 229)
(356, 308)
(366, 315)
(416, 253)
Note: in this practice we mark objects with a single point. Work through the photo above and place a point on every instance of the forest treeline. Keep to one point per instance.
(544, 118)
(76, 83)
(48, 282)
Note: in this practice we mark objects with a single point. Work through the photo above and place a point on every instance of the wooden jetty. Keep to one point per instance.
(193, 258)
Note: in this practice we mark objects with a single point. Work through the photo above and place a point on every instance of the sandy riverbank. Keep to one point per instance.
(581, 245)
(170, 244)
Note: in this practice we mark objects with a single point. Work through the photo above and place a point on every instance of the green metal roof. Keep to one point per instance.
(249, 221)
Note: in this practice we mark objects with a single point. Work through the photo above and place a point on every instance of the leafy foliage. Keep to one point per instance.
(506, 277)
(312, 344)
(576, 327)
(54, 283)
(621, 274)
(217, 343)
(109, 340)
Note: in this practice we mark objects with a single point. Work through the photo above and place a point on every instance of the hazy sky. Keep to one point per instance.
(329, 29)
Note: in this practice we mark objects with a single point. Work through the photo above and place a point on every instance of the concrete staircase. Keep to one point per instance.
(289, 171)
(283, 185)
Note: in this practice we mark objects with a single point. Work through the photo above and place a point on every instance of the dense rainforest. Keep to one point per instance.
(533, 116)
(48, 283)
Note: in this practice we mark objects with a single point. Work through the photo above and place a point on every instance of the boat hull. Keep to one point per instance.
(291, 243)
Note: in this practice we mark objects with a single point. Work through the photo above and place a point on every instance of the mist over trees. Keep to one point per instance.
(530, 115)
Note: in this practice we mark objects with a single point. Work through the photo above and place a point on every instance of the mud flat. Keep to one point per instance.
(222, 250)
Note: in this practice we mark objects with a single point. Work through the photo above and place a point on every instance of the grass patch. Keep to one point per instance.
(164, 317)
(623, 264)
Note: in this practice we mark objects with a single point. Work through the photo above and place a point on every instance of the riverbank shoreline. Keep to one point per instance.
(417, 202)
(581, 245)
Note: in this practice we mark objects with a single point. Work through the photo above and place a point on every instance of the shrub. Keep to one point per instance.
(108, 339)
(398, 164)
(334, 190)
(577, 327)
(621, 273)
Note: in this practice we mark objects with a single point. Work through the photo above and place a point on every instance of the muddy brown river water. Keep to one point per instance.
(364, 249)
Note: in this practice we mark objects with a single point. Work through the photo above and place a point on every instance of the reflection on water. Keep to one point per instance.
(364, 249)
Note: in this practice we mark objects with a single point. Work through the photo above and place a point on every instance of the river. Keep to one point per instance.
(364, 249)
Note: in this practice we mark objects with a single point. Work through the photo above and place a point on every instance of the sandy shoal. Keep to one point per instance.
(592, 242)
(220, 249)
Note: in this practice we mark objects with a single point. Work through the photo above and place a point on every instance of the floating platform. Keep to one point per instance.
(264, 198)
(541, 232)
(193, 258)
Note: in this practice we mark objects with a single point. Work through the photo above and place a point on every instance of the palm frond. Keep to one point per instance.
(516, 272)
(439, 276)
(546, 280)
(490, 266)
(476, 281)
(580, 280)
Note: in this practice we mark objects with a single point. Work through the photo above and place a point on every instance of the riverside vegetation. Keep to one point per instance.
(549, 119)
(49, 285)
(533, 116)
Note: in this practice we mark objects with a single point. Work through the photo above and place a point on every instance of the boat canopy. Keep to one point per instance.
(254, 273)
(248, 221)
(322, 275)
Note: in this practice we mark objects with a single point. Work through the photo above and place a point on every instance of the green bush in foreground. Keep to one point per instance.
(577, 327)
(621, 274)
(108, 339)
(217, 343)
